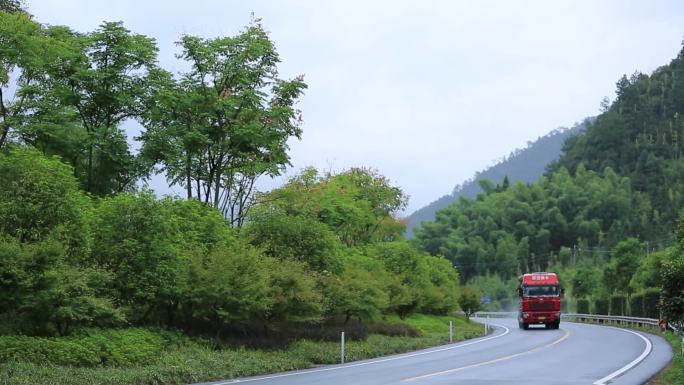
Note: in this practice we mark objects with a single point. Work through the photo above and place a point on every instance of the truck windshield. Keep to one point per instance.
(541, 291)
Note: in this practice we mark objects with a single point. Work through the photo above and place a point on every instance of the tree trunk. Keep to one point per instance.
(5, 131)
(188, 180)
(217, 183)
(90, 167)
(5, 125)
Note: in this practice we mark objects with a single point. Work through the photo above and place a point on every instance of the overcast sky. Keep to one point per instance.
(426, 92)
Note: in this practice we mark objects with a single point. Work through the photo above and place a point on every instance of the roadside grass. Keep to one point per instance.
(673, 374)
(156, 357)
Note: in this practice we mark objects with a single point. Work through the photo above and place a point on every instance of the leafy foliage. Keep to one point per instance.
(39, 200)
(525, 227)
(636, 305)
(84, 252)
(618, 304)
(652, 303)
(25, 51)
(358, 205)
(355, 292)
(639, 136)
(620, 270)
(469, 301)
(583, 306)
(97, 83)
(136, 241)
(44, 293)
(300, 238)
(672, 301)
(226, 122)
(601, 306)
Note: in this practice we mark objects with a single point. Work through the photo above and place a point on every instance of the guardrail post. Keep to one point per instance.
(451, 331)
(342, 348)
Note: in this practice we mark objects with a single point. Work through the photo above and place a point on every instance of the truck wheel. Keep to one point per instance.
(556, 324)
(525, 326)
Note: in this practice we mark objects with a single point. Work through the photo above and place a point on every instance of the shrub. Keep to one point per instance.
(47, 350)
(636, 305)
(393, 329)
(469, 301)
(583, 306)
(113, 347)
(618, 304)
(601, 306)
(39, 199)
(652, 303)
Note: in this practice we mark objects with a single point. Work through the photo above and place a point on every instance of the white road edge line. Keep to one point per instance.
(507, 330)
(632, 364)
(476, 365)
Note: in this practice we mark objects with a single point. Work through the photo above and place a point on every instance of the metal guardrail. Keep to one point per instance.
(614, 319)
(495, 314)
(600, 319)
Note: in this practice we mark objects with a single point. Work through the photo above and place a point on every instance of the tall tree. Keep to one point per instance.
(102, 83)
(23, 54)
(226, 122)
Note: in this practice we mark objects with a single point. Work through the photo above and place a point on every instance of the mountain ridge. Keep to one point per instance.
(521, 165)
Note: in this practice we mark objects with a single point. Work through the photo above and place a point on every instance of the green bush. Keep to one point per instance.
(601, 306)
(618, 304)
(652, 303)
(393, 329)
(636, 305)
(114, 347)
(181, 360)
(38, 350)
(583, 306)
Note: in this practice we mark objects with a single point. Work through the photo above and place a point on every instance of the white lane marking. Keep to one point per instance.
(507, 330)
(565, 336)
(632, 364)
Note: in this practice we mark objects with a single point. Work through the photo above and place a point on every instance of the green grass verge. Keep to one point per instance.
(673, 374)
(152, 357)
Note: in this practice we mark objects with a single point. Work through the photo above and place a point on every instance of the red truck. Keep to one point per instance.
(540, 296)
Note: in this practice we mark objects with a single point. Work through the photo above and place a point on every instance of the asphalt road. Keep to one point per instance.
(574, 354)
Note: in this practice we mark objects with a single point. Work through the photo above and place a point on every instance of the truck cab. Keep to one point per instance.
(540, 295)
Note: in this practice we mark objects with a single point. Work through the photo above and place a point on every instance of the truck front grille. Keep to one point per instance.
(541, 305)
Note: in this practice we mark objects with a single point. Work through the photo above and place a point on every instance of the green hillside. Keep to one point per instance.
(524, 165)
(601, 214)
(641, 136)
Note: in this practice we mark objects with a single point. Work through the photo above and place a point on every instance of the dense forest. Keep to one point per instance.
(81, 245)
(604, 215)
(522, 165)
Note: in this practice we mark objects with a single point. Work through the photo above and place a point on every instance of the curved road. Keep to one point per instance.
(574, 354)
